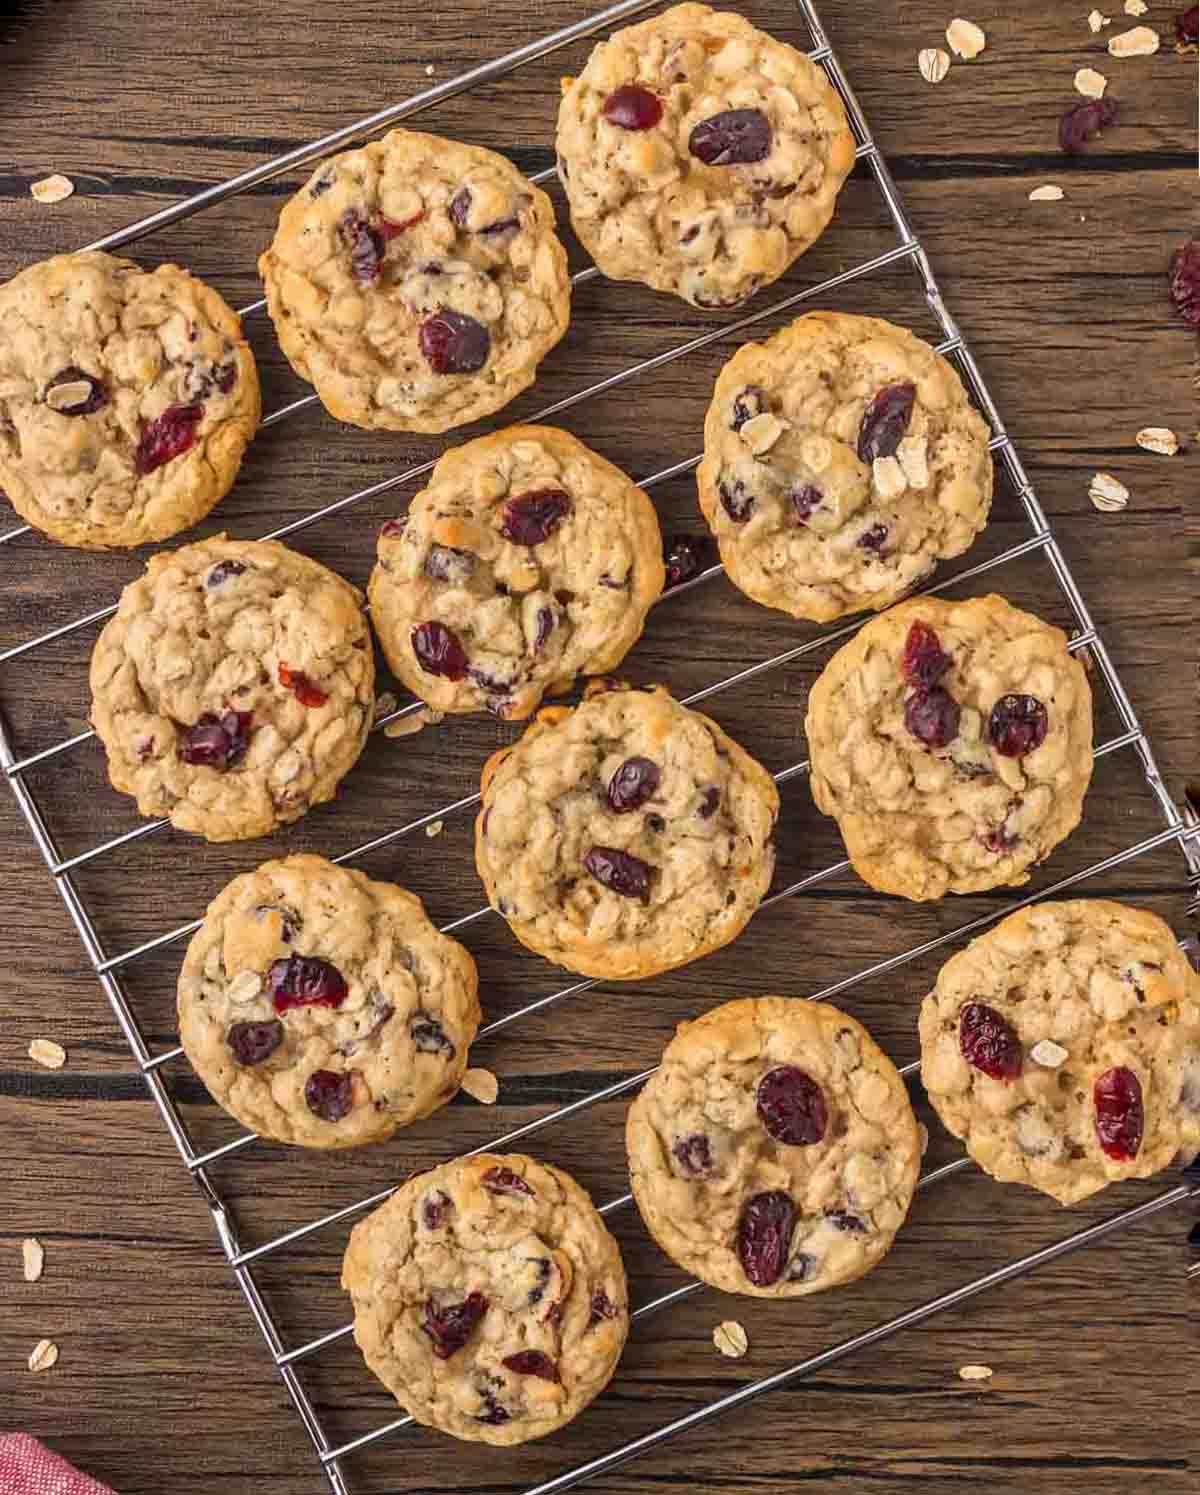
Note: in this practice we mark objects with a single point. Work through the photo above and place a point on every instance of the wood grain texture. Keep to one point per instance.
(163, 1386)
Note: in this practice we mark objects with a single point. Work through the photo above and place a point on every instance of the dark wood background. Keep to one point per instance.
(163, 1385)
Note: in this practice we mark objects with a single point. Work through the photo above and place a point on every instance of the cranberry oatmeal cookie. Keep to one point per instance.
(842, 461)
(1063, 1047)
(625, 836)
(417, 283)
(774, 1152)
(527, 561)
(322, 1008)
(489, 1297)
(700, 155)
(952, 742)
(233, 687)
(127, 398)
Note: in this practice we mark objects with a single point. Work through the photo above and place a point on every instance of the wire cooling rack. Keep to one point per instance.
(1180, 827)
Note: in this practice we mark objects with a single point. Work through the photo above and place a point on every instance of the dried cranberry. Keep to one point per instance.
(791, 1105)
(633, 784)
(619, 872)
(841, 1219)
(305, 981)
(1017, 725)
(924, 661)
(391, 528)
(221, 573)
(1187, 27)
(932, 716)
(95, 399)
(603, 1307)
(450, 1327)
(434, 1208)
(693, 1154)
(1185, 282)
(885, 421)
(301, 687)
(428, 1035)
(329, 1096)
(709, 801)
(737, 137)
(494, 1414)
(750, 402)
(531, 518)
(438, 651)
(444, 563)
(633, 107)
(1120, 1114)
(989, 1041)
(167, 437)
(805, 500)
(686, 557)
(366, 245)
(505, 1181)
(225, 377)
(460, 207)
(454, 343)
(531, 1363)
(1000, 841)
(392, 228)
(217, 741)
(1082, 121)
(253, 1042)
(735, 500)
(763, 1235)
(874, 538)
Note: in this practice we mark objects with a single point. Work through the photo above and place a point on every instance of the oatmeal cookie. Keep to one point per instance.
(774, 1152)
(527, 561)
(233, 687)
(842, 461)
(489, 1297)
(700, 155)
(625, 836)
(322, 1008)
(1063, 1047)
(417, 283)
(952, 743)
(127, 398)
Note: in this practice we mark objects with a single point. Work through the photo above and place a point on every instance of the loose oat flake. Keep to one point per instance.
(33, 1258)
(933, 63)
(1139, 41)
(45, 1354)
(52, 189)
(975, 1372)
(1107, 494)
(1136, 7)
(1160, 439)
(1048, 193)
(1048, 1054)
(966, 39)
(1097, 22)
(435, 828)
(730, 1338)
(1090, 83)
(482, 1085)
(46, 1052)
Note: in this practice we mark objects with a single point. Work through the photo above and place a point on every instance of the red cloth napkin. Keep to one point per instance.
(27, 1467)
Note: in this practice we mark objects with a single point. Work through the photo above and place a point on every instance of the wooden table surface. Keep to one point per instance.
(163, 1386)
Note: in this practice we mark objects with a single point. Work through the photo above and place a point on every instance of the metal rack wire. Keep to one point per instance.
(1180, 827)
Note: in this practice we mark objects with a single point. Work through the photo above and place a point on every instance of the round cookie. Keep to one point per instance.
(527, 561)
(952, 742)
(625, 836)
(1063, 1047)
(774, 1152)
(233, 687)
(489, 1297)
(127, 398)
(842, 461)
(700, 155)
(322, 1008)
(417, 283)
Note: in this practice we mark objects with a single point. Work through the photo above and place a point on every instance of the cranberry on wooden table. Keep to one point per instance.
(1185, 282)
(1081, 122)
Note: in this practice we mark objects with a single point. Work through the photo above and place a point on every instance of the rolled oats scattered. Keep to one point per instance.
(1136, 7)
(482, 1085)
(52, 189)
(244, 987)
(762, 432)
(44, 1355)
(1138, 41)
(1107, 494)
(33, 1258)
(730, 1338)
(965, 38)
(1090, 83)
(1160, 439)
(934, 64)
(384, 705)
(1048, 193)
(46, 1052)
(1048, 1054)
(435, 828)
(1097, 22)
(62, 396)
(975, 1372)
